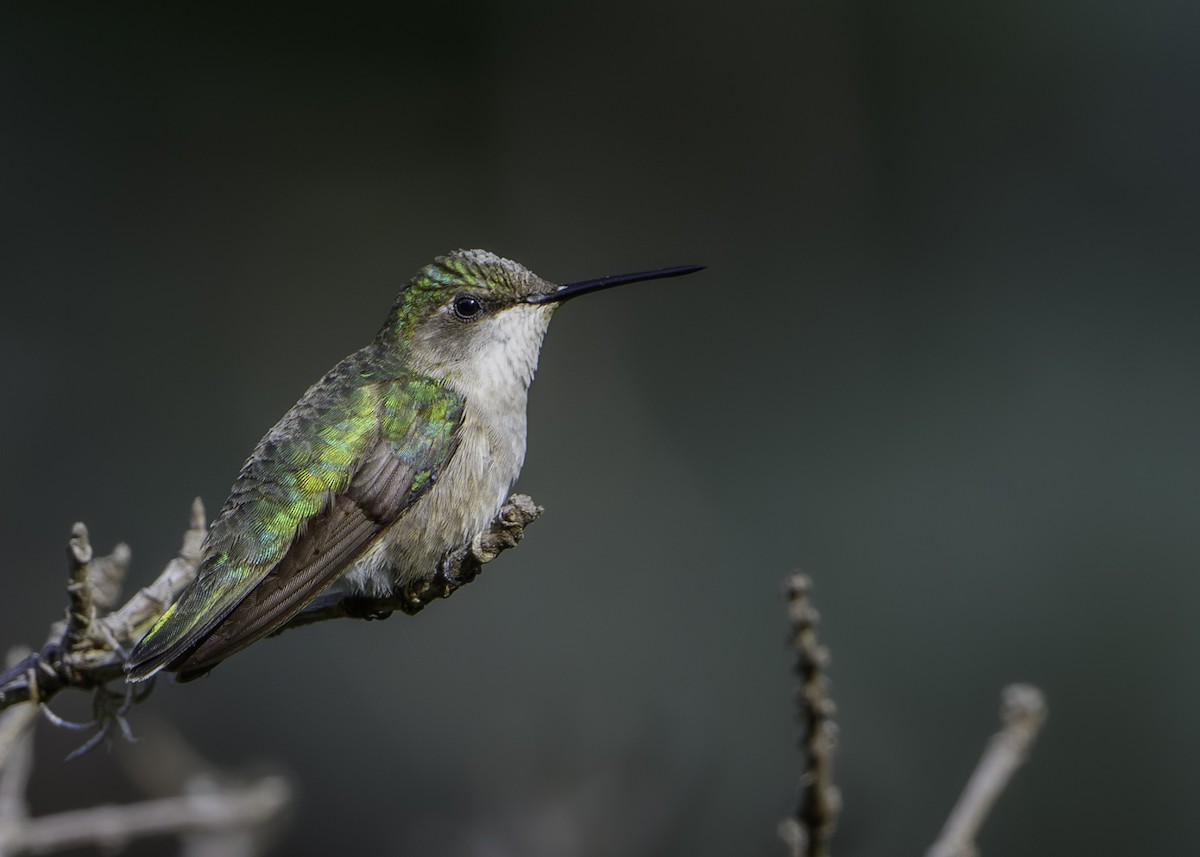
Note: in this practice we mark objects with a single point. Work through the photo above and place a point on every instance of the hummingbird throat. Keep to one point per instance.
(492, 372)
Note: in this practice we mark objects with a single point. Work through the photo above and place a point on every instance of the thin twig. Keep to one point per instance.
(13, 726)
(808, 831)
(127, 625)
(16, 763)
(1022, 711)
(213, 817)
(16, 723)
(109, 827)
(88, 649)
(81, 611)
(14, 779)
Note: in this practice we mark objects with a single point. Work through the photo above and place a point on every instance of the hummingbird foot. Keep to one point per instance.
(110, 717)
(338, 605)
(461, 566)
(456, 569)
(362, 607)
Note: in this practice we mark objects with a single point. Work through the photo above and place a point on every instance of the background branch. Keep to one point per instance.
(1022, 711)
(214, 815)
(808, 831)
(235, 808)
(14, 724)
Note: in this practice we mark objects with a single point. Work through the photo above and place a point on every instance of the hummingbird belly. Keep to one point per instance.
(462, 502)
(493, 378)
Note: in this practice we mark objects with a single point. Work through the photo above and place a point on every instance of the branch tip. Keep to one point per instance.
(1023, 705)
(198, 519)
(1022, 713)
(808, 831)
(79, 549)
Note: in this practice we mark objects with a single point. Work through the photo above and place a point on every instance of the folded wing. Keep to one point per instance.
(322, 484)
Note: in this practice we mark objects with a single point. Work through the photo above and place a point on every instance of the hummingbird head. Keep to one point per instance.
(477, 320)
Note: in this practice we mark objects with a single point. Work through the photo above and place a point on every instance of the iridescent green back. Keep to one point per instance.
(359, 449)
(306, 489)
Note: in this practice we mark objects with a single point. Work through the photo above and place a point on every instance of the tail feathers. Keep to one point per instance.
(140, 670)
(155, 650)
(172, 638)
(230, 606)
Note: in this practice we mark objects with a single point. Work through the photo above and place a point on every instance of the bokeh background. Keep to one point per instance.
(944, 358)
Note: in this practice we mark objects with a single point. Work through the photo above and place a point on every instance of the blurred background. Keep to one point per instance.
(944, 359)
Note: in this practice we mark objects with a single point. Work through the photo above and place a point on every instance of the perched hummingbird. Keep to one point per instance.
(404, 451)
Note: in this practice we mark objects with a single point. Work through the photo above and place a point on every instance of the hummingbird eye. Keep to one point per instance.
(467, 307)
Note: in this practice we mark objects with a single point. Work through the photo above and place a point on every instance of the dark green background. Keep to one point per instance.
(944, 359)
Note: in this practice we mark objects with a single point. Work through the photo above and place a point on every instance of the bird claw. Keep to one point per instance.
(63, 723)
(110, 717)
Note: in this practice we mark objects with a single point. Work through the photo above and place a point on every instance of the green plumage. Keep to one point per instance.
(363, 445)
(402, 452)
(376, 442)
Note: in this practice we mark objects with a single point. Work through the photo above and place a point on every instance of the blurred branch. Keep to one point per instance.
(16, 761)
(89, 648)
(212, 816)
(209, 810)
(13, 726)
(1022, 711)
(807, 832)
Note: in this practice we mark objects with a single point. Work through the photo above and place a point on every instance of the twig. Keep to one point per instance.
(1022, 711)
(13, 726)
(115, 826)
(14, 779)
(90, 647)
(808, 831)
(16, 762)
(213, 817)
(127, 625)
(81, 611)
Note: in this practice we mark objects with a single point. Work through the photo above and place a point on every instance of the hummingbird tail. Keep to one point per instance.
(170, 639)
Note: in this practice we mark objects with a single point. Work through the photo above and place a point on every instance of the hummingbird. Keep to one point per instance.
(402, 452)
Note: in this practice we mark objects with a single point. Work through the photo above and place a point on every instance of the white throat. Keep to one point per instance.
(492, 374)
(501, 357)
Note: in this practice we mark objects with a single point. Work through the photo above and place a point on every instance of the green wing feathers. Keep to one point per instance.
(338, 468)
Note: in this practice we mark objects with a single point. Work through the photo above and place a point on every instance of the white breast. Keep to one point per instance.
(493, 379)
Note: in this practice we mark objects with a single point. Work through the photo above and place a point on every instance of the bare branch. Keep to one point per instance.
(81, 611)
(89, 649)
(14, 779)
(16, 761)
(126, 626)
(808, 831)
(213, 816)
(1022, 711)
(114, 826)
(14, 725)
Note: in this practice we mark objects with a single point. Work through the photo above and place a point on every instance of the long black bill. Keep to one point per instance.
(571, 290)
